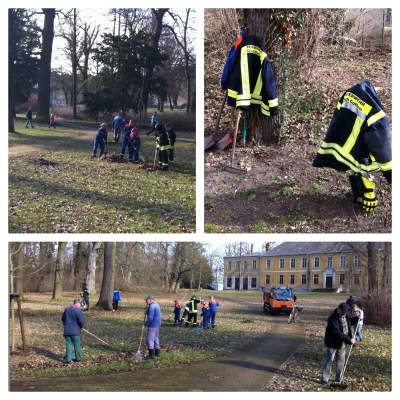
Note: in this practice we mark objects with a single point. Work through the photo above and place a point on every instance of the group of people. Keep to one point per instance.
(338, 333)
(165, 140)
(208, 312)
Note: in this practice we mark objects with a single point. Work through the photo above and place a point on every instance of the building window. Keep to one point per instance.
(316, 262)
(304, 262)
(292, 279)
(356, 278)
(254, 264)
(228, 282)
(281, 279)
(245, 264)
(267, 279)
(237, 265)
(292, 263)
(268, 264)
(342, 278)
(253, 283)
(357, 261)
(303, 279)
(342, 261)
(281, 263)
(229, 265)
(329, 262)
(316, 278)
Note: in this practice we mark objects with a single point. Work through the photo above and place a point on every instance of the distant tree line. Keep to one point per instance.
(100, 267)
(105, 69)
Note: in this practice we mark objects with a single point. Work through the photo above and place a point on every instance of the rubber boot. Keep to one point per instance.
(157, 352)
(151, 355)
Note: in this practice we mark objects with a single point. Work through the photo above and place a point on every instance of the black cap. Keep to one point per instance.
(149, 298)
(344, 306)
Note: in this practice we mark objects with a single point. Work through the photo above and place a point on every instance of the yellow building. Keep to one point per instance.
(305, 266)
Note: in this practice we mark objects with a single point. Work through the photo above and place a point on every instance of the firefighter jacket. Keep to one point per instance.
(164, 141)
(250, 77)
(359, 136)
(192, 305)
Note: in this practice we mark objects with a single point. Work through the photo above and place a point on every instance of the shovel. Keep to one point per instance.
(227, 139)
(210, 140)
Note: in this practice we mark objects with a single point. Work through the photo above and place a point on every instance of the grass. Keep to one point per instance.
(369, 368)
(66, 191)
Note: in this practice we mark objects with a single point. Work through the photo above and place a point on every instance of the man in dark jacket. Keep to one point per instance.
(337, 334)
(29, 117)
(192, 305)
(73, 321)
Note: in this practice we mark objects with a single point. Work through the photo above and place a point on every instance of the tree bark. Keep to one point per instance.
(59, 272)
(372, 267)
(91, 267)
(43, 112)
(106, 292)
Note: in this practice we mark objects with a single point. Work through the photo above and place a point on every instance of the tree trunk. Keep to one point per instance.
(91, 267)
(106, 293)
(11, 127)
(80, 262)
(386, 264)
(259, 127)
(43, 113)
(19, 278)
(372, 267)
(59, 272)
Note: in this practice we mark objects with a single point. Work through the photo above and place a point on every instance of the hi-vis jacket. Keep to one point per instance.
(359, 136)
(249, 77)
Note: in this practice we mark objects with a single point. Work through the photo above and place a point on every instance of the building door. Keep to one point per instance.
(245, 283)
(329, 282)
(237, 283)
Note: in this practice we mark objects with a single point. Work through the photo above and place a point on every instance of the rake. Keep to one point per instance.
(139, 354)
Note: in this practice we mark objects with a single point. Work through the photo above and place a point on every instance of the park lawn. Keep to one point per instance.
(369, 368)
(66, 191)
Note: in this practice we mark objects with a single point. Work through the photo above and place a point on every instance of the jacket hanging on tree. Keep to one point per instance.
(249, 77)
(359, 136)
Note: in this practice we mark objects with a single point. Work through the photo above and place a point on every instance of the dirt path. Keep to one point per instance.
(248, 370)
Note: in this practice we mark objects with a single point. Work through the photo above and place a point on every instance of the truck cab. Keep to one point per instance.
(279, 299)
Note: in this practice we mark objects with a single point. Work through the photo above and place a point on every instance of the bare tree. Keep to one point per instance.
(59, 272)
(45, 65)
(184, 42)
(107, 285)
(93, 248)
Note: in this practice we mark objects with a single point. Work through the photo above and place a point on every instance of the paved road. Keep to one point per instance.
(247, 371)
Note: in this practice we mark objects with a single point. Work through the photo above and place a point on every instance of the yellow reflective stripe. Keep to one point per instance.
(232, 93)
(347, 159)
(273, 102)
(376, 117)
(360, 105)
(166, 147)
(351, 140)
(244, 67)
(257, 88)
(254, 50)
(386, 166)
(338, 105)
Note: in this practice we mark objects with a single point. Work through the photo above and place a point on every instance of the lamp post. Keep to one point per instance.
(143, 70)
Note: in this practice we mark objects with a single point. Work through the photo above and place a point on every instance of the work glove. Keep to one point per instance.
(370, 202)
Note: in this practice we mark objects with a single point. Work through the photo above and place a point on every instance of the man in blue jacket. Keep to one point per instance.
(337, 335)
(73, 321)
(117, 124)
(153, 324)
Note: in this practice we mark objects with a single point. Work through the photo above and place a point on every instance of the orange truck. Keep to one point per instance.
(279, 299)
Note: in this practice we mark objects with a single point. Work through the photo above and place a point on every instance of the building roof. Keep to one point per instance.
(308, 248)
